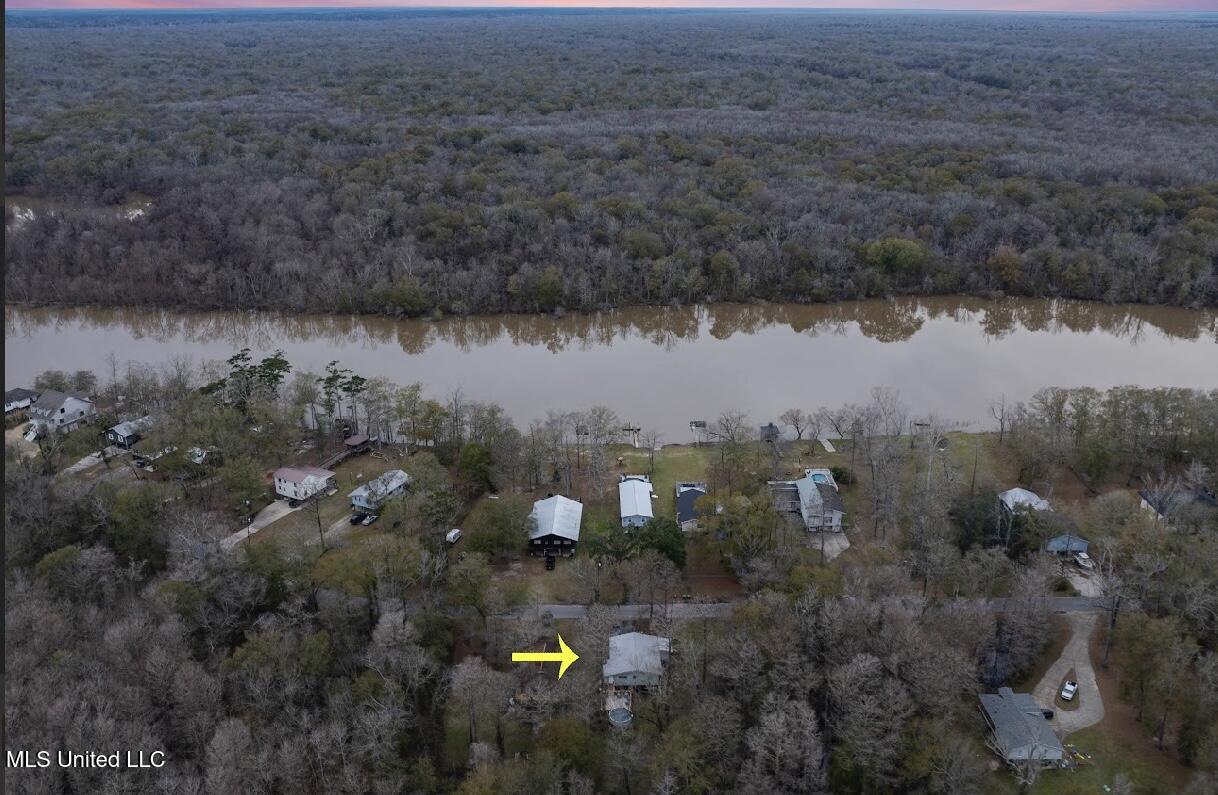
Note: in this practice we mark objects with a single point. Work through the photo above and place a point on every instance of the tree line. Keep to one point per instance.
(620, 159)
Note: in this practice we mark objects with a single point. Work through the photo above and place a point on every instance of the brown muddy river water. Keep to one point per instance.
(661, 368)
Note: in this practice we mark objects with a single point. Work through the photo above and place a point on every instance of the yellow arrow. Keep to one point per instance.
(564, 656)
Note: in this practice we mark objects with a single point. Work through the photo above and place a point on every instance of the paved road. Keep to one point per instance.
(1075, 656)
(1058, 604)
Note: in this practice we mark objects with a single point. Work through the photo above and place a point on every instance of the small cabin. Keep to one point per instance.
(128, 433)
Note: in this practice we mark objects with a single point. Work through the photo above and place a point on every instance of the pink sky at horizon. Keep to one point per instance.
(1067, 6)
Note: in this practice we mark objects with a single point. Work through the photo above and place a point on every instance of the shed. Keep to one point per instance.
(634, 500)
(1019, 729)
(556, 522)
(770, 432)
(357, 443)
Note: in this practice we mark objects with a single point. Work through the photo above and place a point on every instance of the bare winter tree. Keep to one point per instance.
(785, 753)
(798, 420)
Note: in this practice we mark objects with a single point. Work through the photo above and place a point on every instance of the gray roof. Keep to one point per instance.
(51, 400)
(1020, 728)
(830, 497)
(687, 498)
(1013, 498)
(634, 496)
(133, 427)
(301, 474)
(635, 652)
(817, 498)
(379, 487)
(18, 394)
(1167, 503)
(1067, 542)
(557, 516)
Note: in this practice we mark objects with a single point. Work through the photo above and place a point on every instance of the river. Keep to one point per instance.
(661, 368)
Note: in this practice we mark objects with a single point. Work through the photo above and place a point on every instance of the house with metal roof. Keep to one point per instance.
(635, 660)
(634, 500)
(372, 495)
(1016, 498)
(556, 522)
(301, 483)
(1019, 730)
(128, 433)
(688, 495)
(1066, 544)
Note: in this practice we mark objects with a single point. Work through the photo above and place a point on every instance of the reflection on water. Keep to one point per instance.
(660, 368)
(884, 321)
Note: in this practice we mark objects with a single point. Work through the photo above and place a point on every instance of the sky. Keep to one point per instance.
(952, 5)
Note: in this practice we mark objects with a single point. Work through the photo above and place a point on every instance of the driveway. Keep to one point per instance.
(13, 437)
(268, 515)
(1077, 656)
(1086, 584)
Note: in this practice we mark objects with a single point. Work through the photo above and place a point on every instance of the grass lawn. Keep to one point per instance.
(302, 525)
(1118, 744)
(673, 463)
(1114, 752)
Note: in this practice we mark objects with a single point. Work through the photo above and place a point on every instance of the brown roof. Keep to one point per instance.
(298, 474)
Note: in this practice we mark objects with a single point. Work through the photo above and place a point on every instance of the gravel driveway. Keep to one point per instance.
(1076, 655)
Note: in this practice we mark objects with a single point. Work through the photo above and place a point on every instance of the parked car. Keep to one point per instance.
(293, 503)
(356, 518)
(1084, 561)
(1068, 691)
(453, 536)
(369, 519)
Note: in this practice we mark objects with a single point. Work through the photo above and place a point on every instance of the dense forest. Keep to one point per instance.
(410, 163)
(337, 662)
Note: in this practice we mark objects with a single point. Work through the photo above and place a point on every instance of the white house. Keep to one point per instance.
(17, 399)
(634, 500)
(556, 522)
(128, 433)
(376, 492)
(301, 483)
(635, 660)
(60, 412)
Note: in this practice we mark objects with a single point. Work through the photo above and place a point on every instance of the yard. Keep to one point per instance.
(1117, 745)
(301, 525)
